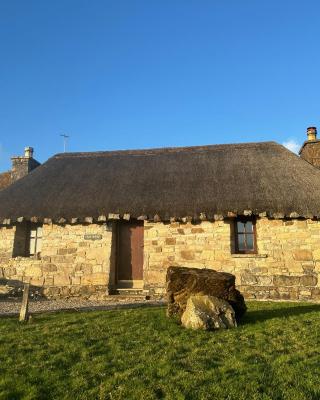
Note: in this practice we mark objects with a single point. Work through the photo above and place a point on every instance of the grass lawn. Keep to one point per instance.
(140, 354)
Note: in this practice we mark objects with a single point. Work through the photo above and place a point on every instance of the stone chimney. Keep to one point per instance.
(310, 150)
(28, 152)
(22, 165)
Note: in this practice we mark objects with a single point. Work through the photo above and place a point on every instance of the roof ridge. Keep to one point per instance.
(161, 150)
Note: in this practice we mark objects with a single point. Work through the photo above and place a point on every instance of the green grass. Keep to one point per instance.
(140, 354)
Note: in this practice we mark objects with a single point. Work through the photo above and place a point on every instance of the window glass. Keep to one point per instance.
(32, 246)
(249, 226)
(35, 239)
(249, 240)
(33, 232)
(240, 226)
(245, 236)
(39, 231)
(241, 244)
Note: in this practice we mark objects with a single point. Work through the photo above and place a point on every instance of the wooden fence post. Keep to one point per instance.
(24, 316)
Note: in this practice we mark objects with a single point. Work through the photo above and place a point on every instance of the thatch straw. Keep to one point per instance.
(5, 179)
(207, 182)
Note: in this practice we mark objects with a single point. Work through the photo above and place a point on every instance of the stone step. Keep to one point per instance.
(125, 292)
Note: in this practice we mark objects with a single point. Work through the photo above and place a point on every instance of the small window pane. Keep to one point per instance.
(240, 227)
(39, 231)
(241, 242)
(32, 246)
(249, 227)
(249, 240)
(33, 233)
(38, 245)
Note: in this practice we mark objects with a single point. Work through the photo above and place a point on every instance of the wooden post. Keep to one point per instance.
(24, 316)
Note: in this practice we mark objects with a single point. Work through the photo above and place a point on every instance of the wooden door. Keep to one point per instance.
(130, 251)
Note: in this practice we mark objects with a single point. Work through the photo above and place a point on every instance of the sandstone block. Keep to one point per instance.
(75, 280)
(99, 278)
(308, 280)
(170, 241)
(9, 271)
(302, 255)
(155, 276)
(315, 293)
(97, 268)
(49, 268)
(182, 282)
(197, 230)
(308, 268)
(48, 280)
(316, 254)
(264, 280)
(285, 280)
(95, 254)
(62, 251)
(187, 255)
(248, 279)
(33, 271)
(37, 281)
(208, 313)
(61, 280)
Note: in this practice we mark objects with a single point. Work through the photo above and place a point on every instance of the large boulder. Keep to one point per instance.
(183, 282)
(208, 313)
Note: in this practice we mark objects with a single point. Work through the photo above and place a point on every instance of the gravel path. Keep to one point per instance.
(12, 307)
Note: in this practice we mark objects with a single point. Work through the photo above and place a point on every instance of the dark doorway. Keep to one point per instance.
(130, 254)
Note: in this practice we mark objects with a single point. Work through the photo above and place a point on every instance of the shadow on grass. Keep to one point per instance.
(252, 317)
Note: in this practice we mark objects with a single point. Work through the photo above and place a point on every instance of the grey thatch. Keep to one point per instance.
(5, 179)
(190, 182)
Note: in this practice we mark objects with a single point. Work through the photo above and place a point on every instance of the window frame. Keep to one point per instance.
(29, 228)
(254, 234)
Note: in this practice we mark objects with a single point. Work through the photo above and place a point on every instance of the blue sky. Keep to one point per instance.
(135, 74)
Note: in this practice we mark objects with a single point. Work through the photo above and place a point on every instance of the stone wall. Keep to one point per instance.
(286, 266)
(69, 264)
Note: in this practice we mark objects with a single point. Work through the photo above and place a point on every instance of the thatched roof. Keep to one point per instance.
(198, 182)
(5, 179)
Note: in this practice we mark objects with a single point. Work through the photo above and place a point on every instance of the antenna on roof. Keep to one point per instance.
(65, 137)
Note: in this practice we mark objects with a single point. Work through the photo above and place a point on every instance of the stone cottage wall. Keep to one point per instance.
(286, 266)
(69, 264)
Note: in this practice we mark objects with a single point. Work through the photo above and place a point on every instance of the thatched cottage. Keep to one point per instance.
(107, 222)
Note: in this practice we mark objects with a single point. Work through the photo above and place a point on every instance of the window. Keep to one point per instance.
(34, 240)
(245, 236)
(28, 240)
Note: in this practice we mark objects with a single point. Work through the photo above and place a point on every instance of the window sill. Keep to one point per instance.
(249, 255)
(22, 258)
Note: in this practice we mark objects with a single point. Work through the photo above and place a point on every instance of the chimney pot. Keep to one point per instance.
(312, 133)
(28, 152)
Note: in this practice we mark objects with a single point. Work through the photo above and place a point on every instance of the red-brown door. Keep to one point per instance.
(130, 251)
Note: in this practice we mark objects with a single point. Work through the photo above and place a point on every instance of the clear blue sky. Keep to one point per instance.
(152, 73)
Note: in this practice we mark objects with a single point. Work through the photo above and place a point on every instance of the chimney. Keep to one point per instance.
(22, 165)
(312, 133)
(310, 150)
(28, 152)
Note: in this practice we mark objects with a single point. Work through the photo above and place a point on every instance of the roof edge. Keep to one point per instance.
(307, 142)
(162, 150)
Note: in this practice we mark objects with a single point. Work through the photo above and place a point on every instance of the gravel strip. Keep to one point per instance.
(12, 307)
